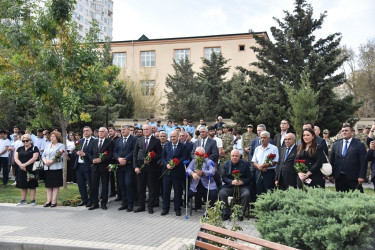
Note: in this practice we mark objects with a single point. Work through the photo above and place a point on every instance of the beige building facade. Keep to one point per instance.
(147, 62)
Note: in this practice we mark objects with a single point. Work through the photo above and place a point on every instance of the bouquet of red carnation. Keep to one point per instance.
(102, 155)
(77, 146)
(270, 158)
(199, 159)
(148, 158)
(29, 176)
(58, 156)
(301, 166)
(174, 162)
(236, 175)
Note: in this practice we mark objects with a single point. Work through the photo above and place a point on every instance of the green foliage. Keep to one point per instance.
(317, 219)
(181, 103)
(72, 202)
(303, 102)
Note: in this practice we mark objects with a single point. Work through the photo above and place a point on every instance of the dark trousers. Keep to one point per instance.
(147, 177)
(343, 184)
(229, 191)
(4, 166)
(168, 181)
(253, 186)
(158, 187)
(84, 180)
(113, 183)
(101, 174)
(125, 177)
(265, 181)
(71, 173)
(202, 193)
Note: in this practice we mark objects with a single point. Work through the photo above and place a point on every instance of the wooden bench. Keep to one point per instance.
(204, 238)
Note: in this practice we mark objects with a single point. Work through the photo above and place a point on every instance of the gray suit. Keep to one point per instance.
(210, 147)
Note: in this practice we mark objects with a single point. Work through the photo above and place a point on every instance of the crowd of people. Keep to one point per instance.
(205, 162)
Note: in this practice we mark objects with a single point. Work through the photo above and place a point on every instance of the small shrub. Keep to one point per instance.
(317, 219)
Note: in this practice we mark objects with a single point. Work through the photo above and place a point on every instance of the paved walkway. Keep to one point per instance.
(77, 228)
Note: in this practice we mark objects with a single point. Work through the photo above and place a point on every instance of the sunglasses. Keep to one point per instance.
(25, 140)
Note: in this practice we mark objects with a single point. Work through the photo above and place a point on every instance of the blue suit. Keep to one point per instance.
(125, 173)
(83, 172)
(175, 176)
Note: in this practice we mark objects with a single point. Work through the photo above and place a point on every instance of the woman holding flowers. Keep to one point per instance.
(311, 154)
(53, 165)
(24, 157)
(202, 171)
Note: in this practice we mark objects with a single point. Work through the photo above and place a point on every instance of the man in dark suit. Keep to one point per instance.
(230, 184)
(148, 175)
(189, 145)
(279, 138)
(83, 169)
(123, 153)
(286, 174)
(348, 160)
(99, 168)
(173, 175)
(208, 144)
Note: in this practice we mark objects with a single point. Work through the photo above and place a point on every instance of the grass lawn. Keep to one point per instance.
(369, 191)
(11, 194)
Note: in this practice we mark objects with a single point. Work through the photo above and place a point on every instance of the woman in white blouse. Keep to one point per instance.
(53, 166)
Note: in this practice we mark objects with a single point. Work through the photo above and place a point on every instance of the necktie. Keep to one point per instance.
(124, 141)
(85, 144)
(287, 153)
(100, 144)
(174, 148)
(345, 148)
(203, 143)
(146, 143)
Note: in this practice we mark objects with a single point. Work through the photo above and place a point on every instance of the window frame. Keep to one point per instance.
(141, 56)
(211, 47)
(182, 49)
(147, 90)
(125, 61)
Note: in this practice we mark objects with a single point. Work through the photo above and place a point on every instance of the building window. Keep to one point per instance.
(180, 54)
(147, 88)
(241, 47)
(148, 58)
(209, 51)
(119, 59)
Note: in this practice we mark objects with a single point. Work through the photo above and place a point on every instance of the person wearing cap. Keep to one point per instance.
(328, 140)
(246, 142)
(361, 135)
(227, 139)
(367, 129)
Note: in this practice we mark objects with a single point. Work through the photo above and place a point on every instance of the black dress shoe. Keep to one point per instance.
(82, 204)
(104, 206)
(164, 212)
(178, 213)
(129, 209)
(123, 207)
(94, 207)
(139, 209)
(89, 204)
(150, 210)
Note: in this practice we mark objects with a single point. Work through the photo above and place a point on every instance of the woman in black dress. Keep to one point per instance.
(313, 154)
(24, 158)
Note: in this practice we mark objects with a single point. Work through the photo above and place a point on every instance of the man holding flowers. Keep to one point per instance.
(173, 156)
(234, 181)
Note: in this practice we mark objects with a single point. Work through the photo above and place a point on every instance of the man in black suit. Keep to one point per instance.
(279, 138)
(103, 145)
(174, 175)
(189, 145)
(123, 153)
(148, 175)
(348, 160)
(208, 144)
(286, 174)
(83, 169)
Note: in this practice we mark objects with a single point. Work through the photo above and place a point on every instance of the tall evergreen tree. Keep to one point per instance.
(213, 76)
(296, 48)
(185, 99)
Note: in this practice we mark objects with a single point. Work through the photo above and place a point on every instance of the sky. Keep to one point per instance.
(355, 20)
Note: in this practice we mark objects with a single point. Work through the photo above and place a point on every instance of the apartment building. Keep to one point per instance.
(100, 10)
(149, 61)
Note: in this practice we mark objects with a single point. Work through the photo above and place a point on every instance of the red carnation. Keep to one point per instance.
(152, 154)
(175, 161)
(106, 152)
(196, 153)
(236, 172)
(206, 155)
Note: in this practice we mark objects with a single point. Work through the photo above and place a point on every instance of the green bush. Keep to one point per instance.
(317, 219)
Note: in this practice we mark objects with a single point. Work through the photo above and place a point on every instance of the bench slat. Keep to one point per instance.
(205, 245)
(223, 241)
(247, 238)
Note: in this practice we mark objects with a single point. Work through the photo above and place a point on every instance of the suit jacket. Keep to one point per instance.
(371, 157)
(180, 153)
(289, 172)
(125, 151)
(210, 147)
(189, 148)
(107, 146)
(353, 164)
(243, 166)
(86, 159)
(140, 151)
(277, 140)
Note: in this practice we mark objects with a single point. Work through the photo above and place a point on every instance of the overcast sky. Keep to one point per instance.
(176, 18)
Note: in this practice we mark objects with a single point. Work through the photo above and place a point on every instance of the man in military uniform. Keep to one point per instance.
(246, 142)
(367, 129)
(328, 140)
(227, 139)
(361, 135)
